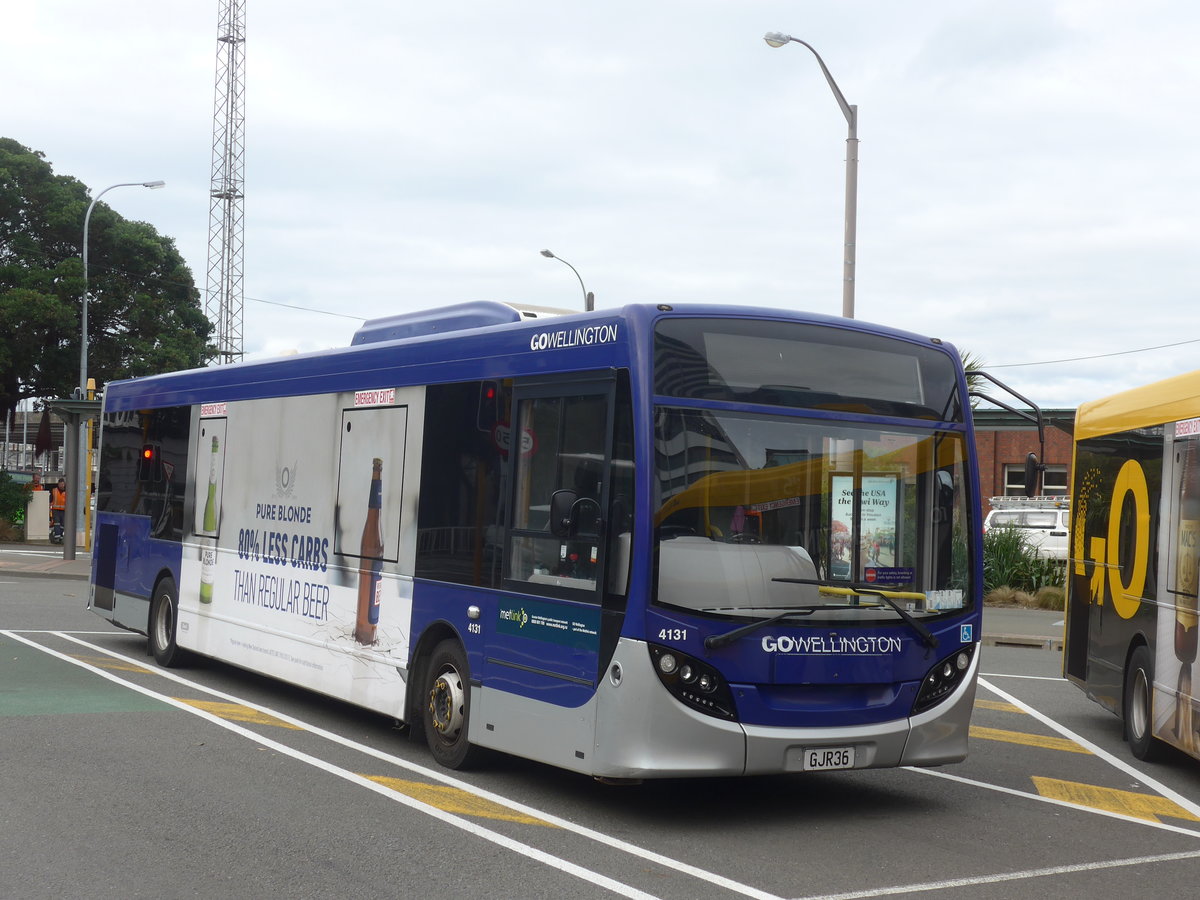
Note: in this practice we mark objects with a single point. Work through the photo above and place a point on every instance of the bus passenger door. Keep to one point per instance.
(544, 642)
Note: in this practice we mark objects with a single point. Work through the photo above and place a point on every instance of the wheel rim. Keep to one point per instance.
(447, 702)
(1139, 705)
(163, 623)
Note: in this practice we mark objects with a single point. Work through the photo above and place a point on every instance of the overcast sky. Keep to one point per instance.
(1029, 177)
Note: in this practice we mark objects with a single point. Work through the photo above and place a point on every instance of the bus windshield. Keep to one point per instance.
(756, 513)
(804, 366)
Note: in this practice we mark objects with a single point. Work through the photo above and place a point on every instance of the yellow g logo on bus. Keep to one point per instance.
(1127, 595)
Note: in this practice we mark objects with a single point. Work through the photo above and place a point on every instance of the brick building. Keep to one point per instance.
(1003, 440)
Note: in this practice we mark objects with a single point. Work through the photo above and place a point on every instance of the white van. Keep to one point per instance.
(1044, 521)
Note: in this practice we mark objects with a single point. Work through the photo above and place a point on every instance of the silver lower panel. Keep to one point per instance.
(633, 728)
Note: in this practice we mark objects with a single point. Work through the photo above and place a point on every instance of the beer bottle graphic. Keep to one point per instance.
(1187, 584)
(370, 565)
(1187, 565)
(208, 545)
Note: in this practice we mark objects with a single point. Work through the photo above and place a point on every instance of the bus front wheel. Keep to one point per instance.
(164, 619)
(447, 707)
(1139, 705)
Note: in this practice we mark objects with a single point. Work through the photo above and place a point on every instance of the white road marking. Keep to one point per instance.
(1025, 677)
(1026, 795)
(466, 825)
(1005, 876)
(1117, 763)
(676, 865)
(441, 776)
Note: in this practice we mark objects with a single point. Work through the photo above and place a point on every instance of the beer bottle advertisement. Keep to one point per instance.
(1187, 584)
(370, 569)
(1187, 569)
(300, 563)
(208, 545)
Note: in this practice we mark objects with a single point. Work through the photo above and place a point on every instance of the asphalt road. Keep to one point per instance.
(122, 780)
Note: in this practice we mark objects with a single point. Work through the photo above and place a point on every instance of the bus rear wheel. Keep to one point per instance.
(1139, 706)
(164, 620)
(447, 707)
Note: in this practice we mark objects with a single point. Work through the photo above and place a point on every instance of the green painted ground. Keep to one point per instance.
(33, 683)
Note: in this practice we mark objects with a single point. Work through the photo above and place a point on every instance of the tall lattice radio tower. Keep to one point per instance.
(225, 298)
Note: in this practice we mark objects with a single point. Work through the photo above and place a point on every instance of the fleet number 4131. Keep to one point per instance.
(673, 634)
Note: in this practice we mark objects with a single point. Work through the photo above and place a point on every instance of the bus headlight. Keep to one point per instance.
(943, 678)
(693, 683)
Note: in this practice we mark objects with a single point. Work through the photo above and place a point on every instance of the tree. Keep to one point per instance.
(144, 312)
(972, 363)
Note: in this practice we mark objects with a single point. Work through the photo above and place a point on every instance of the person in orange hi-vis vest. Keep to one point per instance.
(58, 502)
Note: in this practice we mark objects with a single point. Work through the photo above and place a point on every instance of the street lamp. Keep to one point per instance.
(83, 349)
(79, 494)
(775, 39)
(589, 301)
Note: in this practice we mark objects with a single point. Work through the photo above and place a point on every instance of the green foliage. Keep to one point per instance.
(13, 498)
(972, 362)
(1009, 561)
(144, 315)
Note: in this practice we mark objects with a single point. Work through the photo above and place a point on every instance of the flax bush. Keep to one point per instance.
(1010, 562)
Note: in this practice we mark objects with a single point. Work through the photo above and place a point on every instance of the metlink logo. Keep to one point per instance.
(515, 615)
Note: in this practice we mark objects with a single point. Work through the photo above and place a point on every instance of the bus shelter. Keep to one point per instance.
(74, 413)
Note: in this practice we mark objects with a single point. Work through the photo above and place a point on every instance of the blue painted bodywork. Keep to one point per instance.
(140, 559)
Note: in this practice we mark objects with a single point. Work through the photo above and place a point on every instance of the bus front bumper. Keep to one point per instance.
(644, 732)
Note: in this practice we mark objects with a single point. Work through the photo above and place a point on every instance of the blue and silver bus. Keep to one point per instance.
(655, 541)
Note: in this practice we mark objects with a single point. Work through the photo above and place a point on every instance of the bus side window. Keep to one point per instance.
(459, 516)
(559, 474)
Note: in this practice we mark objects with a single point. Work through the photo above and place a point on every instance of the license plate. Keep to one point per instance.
(821, 758)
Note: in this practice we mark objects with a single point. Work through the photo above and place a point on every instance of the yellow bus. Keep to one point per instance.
(1131, 622)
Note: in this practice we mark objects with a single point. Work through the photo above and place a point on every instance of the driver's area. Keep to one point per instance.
(560, 447)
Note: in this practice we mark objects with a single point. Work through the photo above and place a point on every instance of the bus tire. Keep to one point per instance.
(1139, 705)
(447, 706)
(164, 621)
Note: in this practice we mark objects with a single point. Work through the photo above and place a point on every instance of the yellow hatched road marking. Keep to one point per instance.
(109, 662)
(235, 712)
(1028, 740)
(454, 800)
(1127, 803)
(999, 705)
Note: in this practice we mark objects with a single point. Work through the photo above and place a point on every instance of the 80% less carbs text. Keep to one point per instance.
(277, 548)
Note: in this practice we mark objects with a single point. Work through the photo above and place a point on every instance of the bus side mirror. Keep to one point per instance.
(560, 512)
(944, 502)
(1032, 469)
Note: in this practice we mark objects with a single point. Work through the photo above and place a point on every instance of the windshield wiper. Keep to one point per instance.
(927, 637)
(713, 641)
